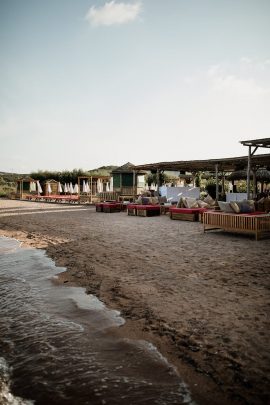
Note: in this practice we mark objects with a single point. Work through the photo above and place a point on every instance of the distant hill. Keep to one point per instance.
(11, 177)
(8, 183)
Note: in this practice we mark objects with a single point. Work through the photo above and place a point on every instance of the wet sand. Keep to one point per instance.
(202, 299)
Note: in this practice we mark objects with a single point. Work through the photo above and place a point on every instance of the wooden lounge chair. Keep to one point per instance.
(256, 223)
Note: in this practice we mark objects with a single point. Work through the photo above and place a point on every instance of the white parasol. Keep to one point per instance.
(39, 188)
(84, 187)
(71, 188)
(32, 186)
(65, 188)
(87, 187)
(107, 187)
(59, 188)
(49, 188)
(76, 189)
(99, 186)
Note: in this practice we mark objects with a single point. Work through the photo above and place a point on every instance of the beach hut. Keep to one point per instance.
(126, 182)
(50, 187)
(25, 186)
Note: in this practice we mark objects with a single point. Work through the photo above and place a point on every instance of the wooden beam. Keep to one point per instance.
(216, 170)
(248, 172)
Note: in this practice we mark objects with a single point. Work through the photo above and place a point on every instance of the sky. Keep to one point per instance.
(89, 83)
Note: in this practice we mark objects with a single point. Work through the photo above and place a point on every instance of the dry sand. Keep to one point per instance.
(202, 299)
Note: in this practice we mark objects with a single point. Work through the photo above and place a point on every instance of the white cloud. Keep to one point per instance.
(213, 70)
(236, 84)
(113, 13)
(246, 60)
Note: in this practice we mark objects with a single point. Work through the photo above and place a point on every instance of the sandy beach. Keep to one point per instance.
(202, 299)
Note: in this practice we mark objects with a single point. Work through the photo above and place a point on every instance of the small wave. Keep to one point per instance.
(6, 397)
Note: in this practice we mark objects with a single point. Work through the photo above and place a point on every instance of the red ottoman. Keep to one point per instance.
(99, 207)
(132, 209)
(112, 207)
(148, 210)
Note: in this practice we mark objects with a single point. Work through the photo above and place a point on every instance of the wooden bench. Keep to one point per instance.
(256, 223)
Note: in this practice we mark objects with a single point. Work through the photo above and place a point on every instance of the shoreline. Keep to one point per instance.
(142, 282)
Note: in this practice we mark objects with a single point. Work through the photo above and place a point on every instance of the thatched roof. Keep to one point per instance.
(126, 168)
(261, 175)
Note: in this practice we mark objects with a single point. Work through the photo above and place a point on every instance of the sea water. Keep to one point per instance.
(56, 346)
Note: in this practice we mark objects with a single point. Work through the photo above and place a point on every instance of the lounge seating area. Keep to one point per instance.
(234, 216)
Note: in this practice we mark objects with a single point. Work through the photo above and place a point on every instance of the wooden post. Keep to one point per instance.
(254, 194)
(120, 183)
(216, 167)
(248, 172)
(223, 184)
(134, 184)
(91, 188)
(158, 182)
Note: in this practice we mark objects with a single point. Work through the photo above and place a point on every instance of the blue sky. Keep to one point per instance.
(92, 83)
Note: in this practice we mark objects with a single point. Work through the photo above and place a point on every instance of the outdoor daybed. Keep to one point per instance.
(191, 209)
(132, 209)
(257, 223)
(109, 207)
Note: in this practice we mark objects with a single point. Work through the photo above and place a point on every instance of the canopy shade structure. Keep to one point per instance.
(255, 144)
(224, 164)
(211, 165)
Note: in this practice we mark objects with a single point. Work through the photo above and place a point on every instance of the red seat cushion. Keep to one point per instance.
(148, 207)
(132, 206)
(253, 213)
(112, 205)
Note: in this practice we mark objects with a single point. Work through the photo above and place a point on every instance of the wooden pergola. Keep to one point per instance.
(23, 187)
(255, 144)
(211, 165)
(92, 181)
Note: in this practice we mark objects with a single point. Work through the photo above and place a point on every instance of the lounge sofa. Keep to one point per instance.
(238, 216)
